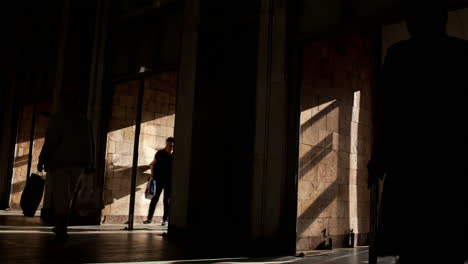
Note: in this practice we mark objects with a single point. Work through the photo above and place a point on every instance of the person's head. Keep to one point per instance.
(71, 101)
(170, 144)
(425, 18)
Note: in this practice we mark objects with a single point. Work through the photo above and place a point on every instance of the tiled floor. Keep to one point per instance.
(25, 240)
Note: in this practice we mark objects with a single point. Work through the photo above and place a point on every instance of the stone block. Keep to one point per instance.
(362, 162)
(172, 100)
(310, 227)
(327, 173)
(172, 109)
(343, 192)
(310, 136)
(128, 100)
(158, 118)
(332, 121)
(111, 146)
(325, 208)
(364, 224)
(344, 143)
(149, 141)
(325, 139)
(151, 130)
(336, 141)
(363, 132)
(160, 142)
(362, 177)
(115, 159)
(117, 135)
(171, 120)
(130, 115)
(309, 173)
(147, 116)
(307, 243)
(342, 209)
(118, 112)
(338, 226)
(307, 190)
(170, 131)
(342, 176)
(123, 148)
(363, 193)
(305, 116)
(167, 109)
(20, 152)
(127, 160)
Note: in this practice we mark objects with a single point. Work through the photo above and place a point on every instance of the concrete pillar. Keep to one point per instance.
(97, 113)
(231, 187)
(273, 187)
(184, 117)
(9, 112)
(215, 124)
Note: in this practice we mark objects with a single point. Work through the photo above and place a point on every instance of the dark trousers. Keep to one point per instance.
(155, 199)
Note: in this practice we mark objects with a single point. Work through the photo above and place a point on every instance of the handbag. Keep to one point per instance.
(150, 189)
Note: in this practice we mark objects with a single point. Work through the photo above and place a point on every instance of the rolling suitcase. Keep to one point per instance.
(32, 194)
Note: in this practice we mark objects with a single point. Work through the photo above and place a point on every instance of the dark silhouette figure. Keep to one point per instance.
(68, 151)
(421, 141)
(161, 171)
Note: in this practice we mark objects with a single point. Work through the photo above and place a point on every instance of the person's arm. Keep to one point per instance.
(151, 165)
(51, 141)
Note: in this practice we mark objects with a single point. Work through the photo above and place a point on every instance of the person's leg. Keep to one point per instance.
(154, 202)
(167, 198)
(64, 181)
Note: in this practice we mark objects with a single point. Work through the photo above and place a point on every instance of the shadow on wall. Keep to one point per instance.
(124, 183)
(21, 161)
(335, 142)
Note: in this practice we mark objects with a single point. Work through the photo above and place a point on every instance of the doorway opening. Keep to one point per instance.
(335, 132)
(157, 112)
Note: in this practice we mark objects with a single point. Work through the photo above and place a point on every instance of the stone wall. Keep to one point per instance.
(334, 141)
(158, 116)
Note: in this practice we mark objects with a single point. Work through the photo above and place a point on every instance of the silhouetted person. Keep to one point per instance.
(161, 171)
(421, 141)
(68, 151)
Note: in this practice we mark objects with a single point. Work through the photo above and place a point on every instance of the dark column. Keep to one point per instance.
(232, 190)
(9, 112)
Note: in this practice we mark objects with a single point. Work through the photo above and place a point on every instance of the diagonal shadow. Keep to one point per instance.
(317, 207)
(319, 115)
(18, 187)
(316, 154)
(21, 160)
(142, 177)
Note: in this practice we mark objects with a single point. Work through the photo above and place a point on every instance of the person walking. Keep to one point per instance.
(68, 151)
(161, 172)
